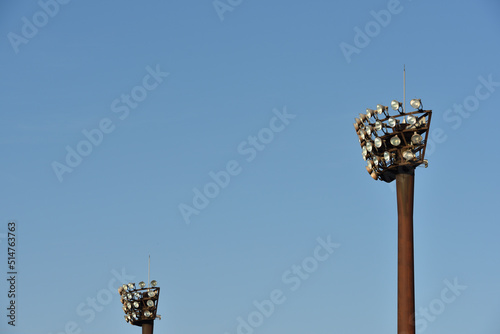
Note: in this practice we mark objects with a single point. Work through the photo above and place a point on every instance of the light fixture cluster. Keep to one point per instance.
(389, 143)
(139, 303)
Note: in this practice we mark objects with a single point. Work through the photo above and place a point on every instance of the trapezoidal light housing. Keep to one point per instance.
(395, 144)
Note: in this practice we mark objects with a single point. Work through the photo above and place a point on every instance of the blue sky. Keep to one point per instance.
(115, 116)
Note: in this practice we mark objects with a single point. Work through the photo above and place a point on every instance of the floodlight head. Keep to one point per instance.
(381, 109)
(369, 113)
(369, 146)
(408, 155)
(131, 286)
(151, 294)
(387, 156)
(392, 122)
(374, 175)
(148, 314)
(395, 105)
(416, 139)
(142, 284)
(416, 103)
(150, 303)
(395, 141)
(411, 119)
(378, 125)
(154, 283)
(362, 117)
(368, 130)
(378, 142)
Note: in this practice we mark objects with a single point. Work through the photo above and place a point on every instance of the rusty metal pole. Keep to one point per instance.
(147, 327)
(406, 286)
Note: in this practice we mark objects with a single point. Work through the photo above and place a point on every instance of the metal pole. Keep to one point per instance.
(147, 327)
(406, 289)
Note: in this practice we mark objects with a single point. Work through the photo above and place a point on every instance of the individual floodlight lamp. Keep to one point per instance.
(395, 105)
(142, 285)
(416, 103)
(395, 141)
(368, 130)
(369, 146)
(154, 283)
(411, 119)
(408, 155)
(392, 122)
(378, 142)
(387, 157)
(416, 139)
(381, 108)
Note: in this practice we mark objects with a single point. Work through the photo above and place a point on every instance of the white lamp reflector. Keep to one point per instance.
(408, 155)
(395, 141)
(392, 122)
(416, 103)
(395, 105)
(416, 139)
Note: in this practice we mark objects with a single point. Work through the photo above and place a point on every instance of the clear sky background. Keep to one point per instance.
(81, 228)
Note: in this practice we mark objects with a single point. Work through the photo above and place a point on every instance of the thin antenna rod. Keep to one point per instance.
(149, 266)
(404, 88)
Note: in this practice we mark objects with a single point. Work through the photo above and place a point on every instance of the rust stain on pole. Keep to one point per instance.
(406, 289)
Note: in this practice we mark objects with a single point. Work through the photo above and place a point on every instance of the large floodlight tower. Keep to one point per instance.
(393, 146)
